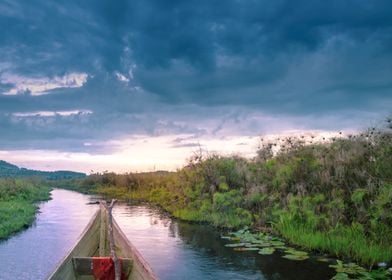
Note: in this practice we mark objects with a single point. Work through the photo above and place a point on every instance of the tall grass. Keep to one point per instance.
(342, 242)
(18, 199)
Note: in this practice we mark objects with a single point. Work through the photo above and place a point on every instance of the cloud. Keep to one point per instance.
(136, 153)
(76, 74)
(42, 85)
(121, 77)
(52, 113)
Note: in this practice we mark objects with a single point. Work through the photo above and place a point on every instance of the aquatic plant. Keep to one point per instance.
(267, 251)
(295, 257)
(348, 270)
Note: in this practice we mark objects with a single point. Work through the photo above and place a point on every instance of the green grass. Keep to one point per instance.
(189, 215)
(18, 198)
(15, 215)
(346, 241)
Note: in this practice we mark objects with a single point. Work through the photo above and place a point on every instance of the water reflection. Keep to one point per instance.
(33, 253)
(178, 250)
(175, 250)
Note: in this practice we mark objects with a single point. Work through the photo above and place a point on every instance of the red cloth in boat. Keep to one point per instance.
(103, 268)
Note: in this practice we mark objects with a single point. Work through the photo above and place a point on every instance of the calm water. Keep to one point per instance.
(175, 250)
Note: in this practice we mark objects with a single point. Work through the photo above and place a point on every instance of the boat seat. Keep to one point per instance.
(83, 266)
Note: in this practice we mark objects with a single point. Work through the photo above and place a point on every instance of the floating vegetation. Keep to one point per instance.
(226, 237)
(280, 247)
(252, 245)
(349, 270)
(267, 251)
(266, 245)
(235, 245)
(277, 243)
(232, 238)
(247, 239)
(246, 249)
(296, 257)
(292, 251)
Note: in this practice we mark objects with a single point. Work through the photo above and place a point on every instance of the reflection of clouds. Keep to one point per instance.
(140, 219)
(178, 250)
(56, 230)
(154, 221)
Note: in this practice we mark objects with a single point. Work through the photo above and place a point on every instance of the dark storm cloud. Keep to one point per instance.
(148, 61)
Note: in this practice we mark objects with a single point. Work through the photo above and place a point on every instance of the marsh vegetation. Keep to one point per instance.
(18, 198)
(331, 195)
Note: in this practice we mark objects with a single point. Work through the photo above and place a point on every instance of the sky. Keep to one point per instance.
(141, 85)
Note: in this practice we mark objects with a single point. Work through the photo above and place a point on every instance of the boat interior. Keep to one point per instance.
(91, 257)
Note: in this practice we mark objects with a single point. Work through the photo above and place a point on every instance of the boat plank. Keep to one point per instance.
(87, 245)
(141, 269)
(90, 244)
(102, 237)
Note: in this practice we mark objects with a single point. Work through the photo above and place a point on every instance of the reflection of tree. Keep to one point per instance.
(209, 251)
(206, 240)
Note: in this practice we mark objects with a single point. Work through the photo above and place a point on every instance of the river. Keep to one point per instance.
(174, 249)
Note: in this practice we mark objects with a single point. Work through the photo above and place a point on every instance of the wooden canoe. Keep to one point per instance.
(94, 242)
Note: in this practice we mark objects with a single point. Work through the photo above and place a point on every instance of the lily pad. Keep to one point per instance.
(375, 274)
(235, 238)
(235, 245)
(350, 268)
(296, 257)
(296, 252)
(245, 249)
(264, 244)
(277, 243)
(248, 238)
(226, 237)
(354, 270)
(252, 245)
(280, 247)
(267, 251)
(288, 249)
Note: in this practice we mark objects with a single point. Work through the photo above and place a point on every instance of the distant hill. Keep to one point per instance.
(11, 170)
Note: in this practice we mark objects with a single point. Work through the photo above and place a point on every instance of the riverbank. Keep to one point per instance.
(18, 199)
(174, 249)
(347, 242)
(330, 195)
